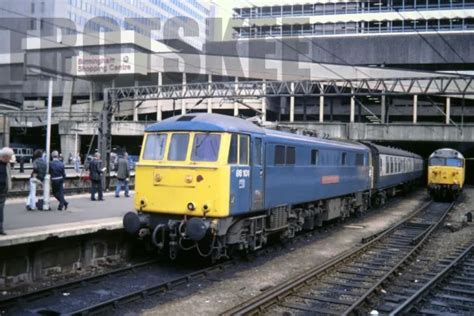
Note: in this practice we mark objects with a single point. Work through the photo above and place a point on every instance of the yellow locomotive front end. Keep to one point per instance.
(446, 172)
(183, 173)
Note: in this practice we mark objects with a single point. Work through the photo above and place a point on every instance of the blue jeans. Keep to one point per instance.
(118, 188)
(31, 201)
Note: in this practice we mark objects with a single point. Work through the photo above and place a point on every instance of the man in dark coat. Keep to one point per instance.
(58, 174)
(96, 170)
(5, 180)
(123, 174)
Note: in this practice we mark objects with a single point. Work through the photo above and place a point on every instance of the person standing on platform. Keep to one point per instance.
(123, 174)
(58, 174)
(77, 163)
(96, 170)
(5, 181)
(37, 177)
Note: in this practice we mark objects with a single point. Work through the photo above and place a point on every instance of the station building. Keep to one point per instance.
(87, 63)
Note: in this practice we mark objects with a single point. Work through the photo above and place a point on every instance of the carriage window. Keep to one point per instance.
(344, 159)
(257, 154)
(290, 155)
(206, 147)
(314, 156)
(359, 159)
(154, 147)
(279, 155)
(233, 149)
(244, 150)
(178, 147)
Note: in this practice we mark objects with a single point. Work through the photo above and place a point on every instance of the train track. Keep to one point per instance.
(105, 292)
(346, 283)
(449, 292)
(69, 298)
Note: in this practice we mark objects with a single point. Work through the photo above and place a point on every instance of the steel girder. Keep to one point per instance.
(447, 85)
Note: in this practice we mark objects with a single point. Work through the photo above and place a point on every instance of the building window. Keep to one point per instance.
(32, 7)
(32, 25)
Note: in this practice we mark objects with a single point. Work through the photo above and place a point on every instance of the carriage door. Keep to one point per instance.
(257, 174)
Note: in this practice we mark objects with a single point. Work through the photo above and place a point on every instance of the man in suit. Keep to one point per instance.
(123, 174)
(96, 170)
(58, 174)
(5, 180)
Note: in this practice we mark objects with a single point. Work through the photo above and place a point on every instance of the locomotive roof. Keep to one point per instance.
(316, 140)
(211, 122)
(208, 122)
(447, 153)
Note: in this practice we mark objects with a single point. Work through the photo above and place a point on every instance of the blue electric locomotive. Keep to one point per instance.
(215, 183)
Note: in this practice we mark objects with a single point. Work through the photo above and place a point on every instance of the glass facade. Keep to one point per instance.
(111, 15)
(319, 29)
(387, 16)
(298, 10)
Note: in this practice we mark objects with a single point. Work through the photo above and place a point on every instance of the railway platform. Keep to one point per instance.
(40, 243)
(82, 216)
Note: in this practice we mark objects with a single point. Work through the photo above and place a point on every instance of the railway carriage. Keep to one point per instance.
(216, 183)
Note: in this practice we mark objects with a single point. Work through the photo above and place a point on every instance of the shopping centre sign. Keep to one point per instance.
(113, 64)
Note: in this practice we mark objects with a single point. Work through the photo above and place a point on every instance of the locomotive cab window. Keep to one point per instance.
(154, 147)
(206, 147)
(244, 150)
(178, 147)
(233, 150)
(239, 149)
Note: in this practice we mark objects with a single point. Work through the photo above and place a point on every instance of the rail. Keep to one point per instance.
(405, 238)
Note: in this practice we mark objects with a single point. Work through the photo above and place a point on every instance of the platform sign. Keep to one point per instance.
(112, 64)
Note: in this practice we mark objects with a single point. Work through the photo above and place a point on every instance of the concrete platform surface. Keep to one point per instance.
(82, 217)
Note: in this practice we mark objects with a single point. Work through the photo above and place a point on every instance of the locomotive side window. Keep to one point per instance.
(233, 150)
(314, 157)
(244, 150)
(257, 154)
(206, 147)
(279, 155)
(359, 159)
(290, 155)
(154, 147)
(178, 147)
(344, 159)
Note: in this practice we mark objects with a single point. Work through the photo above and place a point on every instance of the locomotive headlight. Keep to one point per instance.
(188, 178)
(191, 207)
